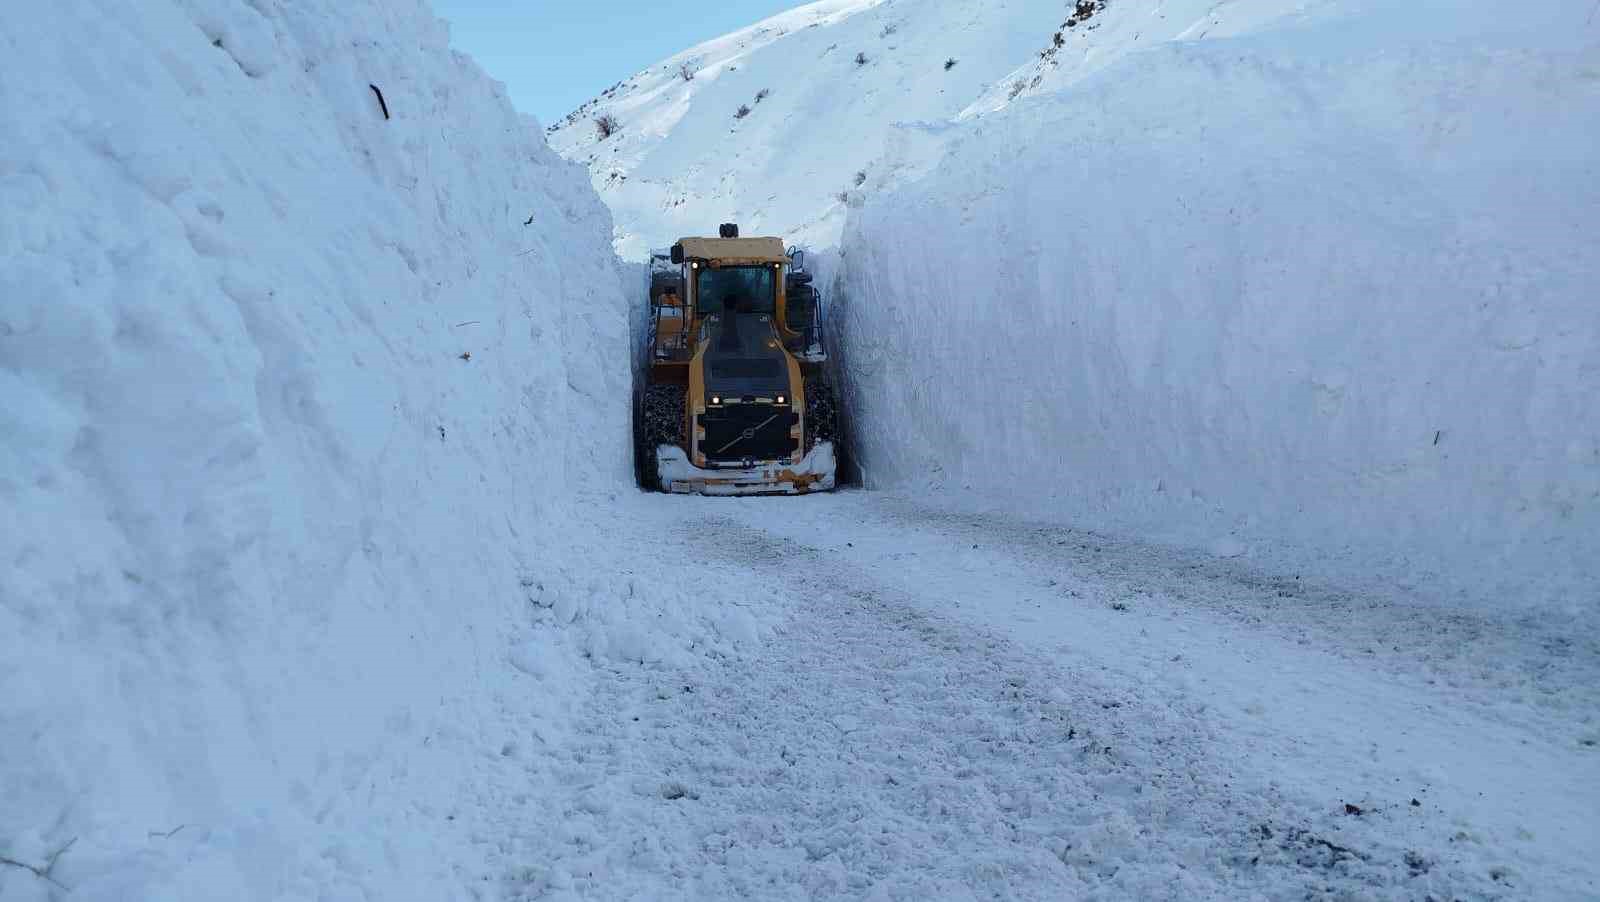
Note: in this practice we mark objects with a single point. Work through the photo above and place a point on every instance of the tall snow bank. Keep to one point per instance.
(1332, 288)
(297, 401)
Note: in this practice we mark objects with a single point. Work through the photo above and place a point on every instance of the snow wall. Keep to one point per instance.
(300, 403)
(1328, 290)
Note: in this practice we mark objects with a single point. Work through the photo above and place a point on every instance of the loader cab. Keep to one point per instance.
(751, 289)
(706, 274)
(690, 285)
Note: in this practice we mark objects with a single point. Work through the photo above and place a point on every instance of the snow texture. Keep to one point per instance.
(1330, 286)
(978, 707)
(298, 399)
(322, 575)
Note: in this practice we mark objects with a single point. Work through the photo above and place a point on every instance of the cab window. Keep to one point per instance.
(752, 289)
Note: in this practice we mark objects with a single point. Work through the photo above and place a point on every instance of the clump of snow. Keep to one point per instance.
(1330, 286)
(303, 406)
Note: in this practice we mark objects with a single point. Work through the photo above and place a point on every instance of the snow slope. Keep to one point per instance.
(818, 133)
(299, 402)
(1330, 286)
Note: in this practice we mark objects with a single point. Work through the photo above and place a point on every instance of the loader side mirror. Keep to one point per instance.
(677, 253)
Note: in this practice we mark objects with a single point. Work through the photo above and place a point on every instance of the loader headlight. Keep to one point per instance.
(715, 400)
(783, 399)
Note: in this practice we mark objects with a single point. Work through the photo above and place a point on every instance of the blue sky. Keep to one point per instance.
(555, 54)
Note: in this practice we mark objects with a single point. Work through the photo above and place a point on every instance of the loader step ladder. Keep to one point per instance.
(806, 312)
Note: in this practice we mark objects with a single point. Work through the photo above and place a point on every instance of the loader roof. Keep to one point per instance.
(734, 250)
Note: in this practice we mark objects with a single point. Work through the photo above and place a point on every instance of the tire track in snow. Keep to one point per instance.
(1547, 658)
(874, 751)
(1366, 697)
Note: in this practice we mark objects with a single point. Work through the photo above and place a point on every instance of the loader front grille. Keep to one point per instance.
(748, 432)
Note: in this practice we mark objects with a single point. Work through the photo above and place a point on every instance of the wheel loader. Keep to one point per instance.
(734, 397)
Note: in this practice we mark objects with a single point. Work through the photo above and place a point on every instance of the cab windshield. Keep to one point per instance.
(752, 289)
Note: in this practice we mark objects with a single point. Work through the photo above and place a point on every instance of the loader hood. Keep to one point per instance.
(744, 358)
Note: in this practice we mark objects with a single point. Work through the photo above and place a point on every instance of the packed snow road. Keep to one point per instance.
(969, 706)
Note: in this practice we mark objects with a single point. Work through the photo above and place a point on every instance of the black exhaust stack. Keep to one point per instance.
(729, 230)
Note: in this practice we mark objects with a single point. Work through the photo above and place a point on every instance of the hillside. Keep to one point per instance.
(844, 99)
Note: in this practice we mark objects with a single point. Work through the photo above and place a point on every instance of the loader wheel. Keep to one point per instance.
(822, 414)
(660, 422)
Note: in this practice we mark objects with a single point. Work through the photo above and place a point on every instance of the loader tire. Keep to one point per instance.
(660, 422)
(822, 414)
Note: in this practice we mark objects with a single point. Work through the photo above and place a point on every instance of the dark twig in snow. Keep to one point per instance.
(43, 873)
(381, 102)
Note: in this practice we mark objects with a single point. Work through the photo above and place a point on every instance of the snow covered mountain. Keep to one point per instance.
(784, 125)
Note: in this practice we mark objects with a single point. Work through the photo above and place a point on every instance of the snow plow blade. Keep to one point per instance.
(815, 473)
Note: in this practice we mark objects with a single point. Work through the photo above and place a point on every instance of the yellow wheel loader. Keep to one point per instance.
(734, 397)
